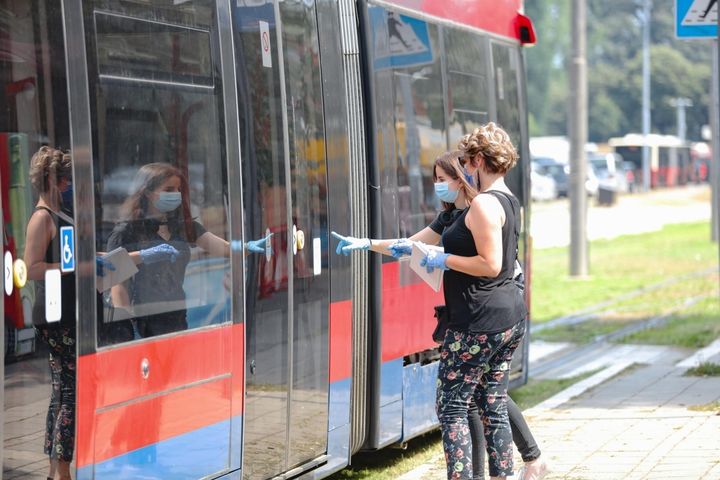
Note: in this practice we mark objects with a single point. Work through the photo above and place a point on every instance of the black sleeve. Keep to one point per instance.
(441, 222)
(118, 237)
(199, 229)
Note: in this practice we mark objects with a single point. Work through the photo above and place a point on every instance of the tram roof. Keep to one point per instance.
(500, 17)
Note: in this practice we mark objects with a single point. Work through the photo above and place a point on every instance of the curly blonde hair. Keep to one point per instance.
(495, 146)
(47, 166)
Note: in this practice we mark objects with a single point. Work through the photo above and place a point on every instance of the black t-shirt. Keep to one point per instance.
(482, 304)
(156, 290)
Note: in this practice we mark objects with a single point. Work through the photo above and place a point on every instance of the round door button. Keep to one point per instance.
(19, 273)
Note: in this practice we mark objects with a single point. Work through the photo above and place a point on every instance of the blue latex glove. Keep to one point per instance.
(348, 244)
(102, 264)
(159, 253)
(258, 246)
(400, 248)
(433, 260)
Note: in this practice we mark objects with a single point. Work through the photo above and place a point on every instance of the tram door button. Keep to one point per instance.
(298, 240)
(53, 295)
(252, 367)
(8, 273)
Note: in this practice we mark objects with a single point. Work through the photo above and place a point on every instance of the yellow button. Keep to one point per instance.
(19, 273)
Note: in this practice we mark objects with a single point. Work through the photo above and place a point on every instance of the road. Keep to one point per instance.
(631, 214)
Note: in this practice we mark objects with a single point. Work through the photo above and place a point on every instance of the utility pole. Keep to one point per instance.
(715, 147)
(680, 103)
(578, 138)
(647, 5)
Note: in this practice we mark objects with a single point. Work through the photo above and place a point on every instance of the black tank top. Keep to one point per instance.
(484, 304)
(67, 280)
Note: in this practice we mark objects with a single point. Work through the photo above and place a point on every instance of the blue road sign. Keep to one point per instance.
(398, 40)
(67, 249)
(696, 18)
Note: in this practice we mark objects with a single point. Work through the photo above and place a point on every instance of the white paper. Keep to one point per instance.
(124, 269)
(419, 251)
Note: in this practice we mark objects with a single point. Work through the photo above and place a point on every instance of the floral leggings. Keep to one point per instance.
(476, 365)
(60, 420)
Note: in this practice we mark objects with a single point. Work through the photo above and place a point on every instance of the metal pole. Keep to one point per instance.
(646, 94)
(715, 145)
(578, 138)
(680, 104)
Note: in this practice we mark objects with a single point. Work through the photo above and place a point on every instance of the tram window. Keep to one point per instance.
(467, 75)
(506, 65)
(160, 169)
(420, 130)
(152, 51)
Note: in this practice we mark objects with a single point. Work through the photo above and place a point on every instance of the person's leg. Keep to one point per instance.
(491, 397)
(64, 428)
(457, 382)
(523, 438)
(478, 441)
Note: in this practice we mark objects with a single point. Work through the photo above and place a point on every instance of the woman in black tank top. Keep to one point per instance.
(455, 188)
(50, 176)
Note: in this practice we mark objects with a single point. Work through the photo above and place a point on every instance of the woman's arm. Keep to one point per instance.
(427, 235)
(40, 232)
(484, 220)
(214, 245)
(119, 296)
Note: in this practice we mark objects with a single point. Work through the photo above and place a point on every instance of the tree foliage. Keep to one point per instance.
(679, 68)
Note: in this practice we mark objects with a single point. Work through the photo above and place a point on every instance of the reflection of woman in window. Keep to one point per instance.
(157, 229)
(51, 177)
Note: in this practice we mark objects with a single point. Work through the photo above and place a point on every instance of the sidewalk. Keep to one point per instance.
(635, 424)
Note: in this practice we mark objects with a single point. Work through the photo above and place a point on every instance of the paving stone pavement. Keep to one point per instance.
(637, 425)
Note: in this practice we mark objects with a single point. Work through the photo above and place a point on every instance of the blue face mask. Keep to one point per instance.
(67, 196)
(445, 193)
(168, 201)
(469, 177)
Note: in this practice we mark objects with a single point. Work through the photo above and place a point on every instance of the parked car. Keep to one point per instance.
(558, 171)
(608, 168)
(542, 187)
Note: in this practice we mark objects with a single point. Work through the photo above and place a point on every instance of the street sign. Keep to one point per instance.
(398, 40)
(696, 18)
(67, 249)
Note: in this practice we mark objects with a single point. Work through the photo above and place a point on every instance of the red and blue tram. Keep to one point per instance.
(291, 118)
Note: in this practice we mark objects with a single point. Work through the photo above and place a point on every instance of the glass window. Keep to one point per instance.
(467, 65)
(420, 131)
(159, 166)
(506, 70)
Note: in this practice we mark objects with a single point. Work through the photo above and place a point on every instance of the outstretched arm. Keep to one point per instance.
(395, 247)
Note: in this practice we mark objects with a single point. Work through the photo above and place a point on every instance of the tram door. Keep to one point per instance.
(284, 188)
(33, 113)
(160, 381)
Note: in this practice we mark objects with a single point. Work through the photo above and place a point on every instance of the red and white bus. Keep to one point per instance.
(293, 117)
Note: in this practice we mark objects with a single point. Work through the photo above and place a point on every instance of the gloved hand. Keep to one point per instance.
(400, 248)
(433, 260)
(159, 253)
(258, 246)
(102, 264)
(348, 244)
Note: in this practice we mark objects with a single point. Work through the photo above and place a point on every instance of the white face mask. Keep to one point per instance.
(168, 201)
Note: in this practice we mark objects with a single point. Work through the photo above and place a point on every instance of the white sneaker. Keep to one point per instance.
(535, 470)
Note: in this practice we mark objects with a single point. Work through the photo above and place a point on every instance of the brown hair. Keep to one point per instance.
(147, 179)
(450, 163)
(495, 146)
(47, 167)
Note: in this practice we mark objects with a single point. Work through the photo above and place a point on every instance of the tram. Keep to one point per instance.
(670, 161)
(287, 119)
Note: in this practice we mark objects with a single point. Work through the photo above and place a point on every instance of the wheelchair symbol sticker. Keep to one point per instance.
(67, 249)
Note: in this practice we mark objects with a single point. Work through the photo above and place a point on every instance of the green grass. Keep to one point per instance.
(618, 266)
(695, 327)
(708, 407)
(580, 333)
(705, 369)
(536, 391)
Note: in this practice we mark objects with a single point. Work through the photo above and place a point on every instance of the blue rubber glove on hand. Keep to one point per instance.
(433, 260)
(159, 253)
(348, 244)
(400, 248)
(102, 264)
(258, 246)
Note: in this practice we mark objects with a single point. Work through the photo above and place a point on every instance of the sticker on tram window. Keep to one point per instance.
(265, 44)
(67, 249)
(53, 295)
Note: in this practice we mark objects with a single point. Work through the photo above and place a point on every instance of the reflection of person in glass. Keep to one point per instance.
(51, 177)
(157, 229)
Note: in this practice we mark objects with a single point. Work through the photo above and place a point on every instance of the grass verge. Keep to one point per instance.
(708, 407)
(618, 266)
(705, 369)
